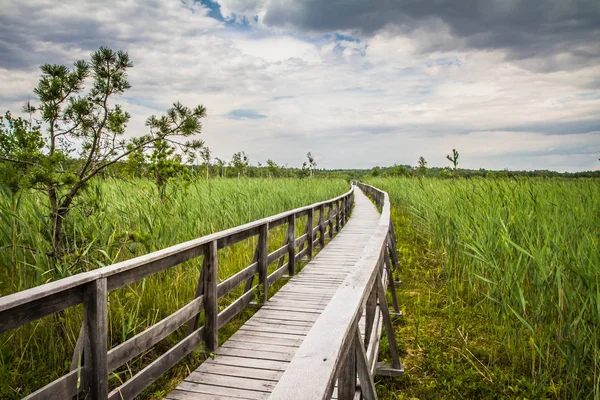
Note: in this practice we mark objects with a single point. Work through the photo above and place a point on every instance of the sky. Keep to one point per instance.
(359, 83)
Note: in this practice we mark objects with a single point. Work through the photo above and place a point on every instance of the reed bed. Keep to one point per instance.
(525, 255)
(118, 220)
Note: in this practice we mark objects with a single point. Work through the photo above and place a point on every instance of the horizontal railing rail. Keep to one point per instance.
(335, 353)
(92, 288)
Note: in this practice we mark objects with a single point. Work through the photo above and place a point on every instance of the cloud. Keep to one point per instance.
(564, 32)
(379, 89)
(244, 114)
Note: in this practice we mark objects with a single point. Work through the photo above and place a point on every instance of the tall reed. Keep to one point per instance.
(525, 252)
(118, 220)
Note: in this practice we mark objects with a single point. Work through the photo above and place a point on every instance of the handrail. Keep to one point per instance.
(333, 349)
(91, 288)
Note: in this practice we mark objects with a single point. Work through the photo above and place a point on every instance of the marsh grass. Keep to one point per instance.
(118, 220)
(502, 287)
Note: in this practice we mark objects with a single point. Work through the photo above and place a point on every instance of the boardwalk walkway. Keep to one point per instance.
(250, 363)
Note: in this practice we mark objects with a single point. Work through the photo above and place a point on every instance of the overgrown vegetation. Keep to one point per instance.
(502, 285)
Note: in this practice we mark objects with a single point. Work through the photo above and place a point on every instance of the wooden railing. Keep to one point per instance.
(334, 351)
(91, 288)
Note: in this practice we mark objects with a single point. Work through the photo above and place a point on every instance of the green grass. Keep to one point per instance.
(118, 220)
(501, 289)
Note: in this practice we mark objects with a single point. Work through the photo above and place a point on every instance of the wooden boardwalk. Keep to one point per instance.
(251, 362)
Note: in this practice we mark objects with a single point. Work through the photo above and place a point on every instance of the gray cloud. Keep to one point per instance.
(523, 29)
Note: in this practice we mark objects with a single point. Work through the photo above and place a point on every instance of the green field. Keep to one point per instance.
(501, 289)
(500, 293)
(114, 221)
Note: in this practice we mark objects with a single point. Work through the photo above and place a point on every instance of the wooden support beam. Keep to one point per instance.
(388, 269)
(263, 254)
(211, 310)
(322, 225)
(347, 372)
(367, 385)
(199, 290)
(309, 231)
(96, 343)
(370, 309)
(291, 236)
(387, 322)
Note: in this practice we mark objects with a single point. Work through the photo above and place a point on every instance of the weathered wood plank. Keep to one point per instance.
(64, 387)
(234, 308)
(234, 281)
(222, 391)
(143, 341)
(211, 327)
(231, 382)
(263, 252)
(252, 363)
(152, 372)
(277, 254)
(96, 339)
(253, 373)
(255, 354)
(291, 245)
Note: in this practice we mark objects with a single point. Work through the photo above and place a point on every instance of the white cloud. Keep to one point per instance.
(376, 102)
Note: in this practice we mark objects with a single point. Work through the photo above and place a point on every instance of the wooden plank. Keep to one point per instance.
(347, 373)
(211, 327)
(234, 308)
(278, 273)
(64, 387)
(237, 237)
(264, 339)
(291, 332)
(310, 233)
(232, 344)
(234, 281)
(291, 245)
(366, 380)
(231, 382)
(263, 251)
(252, 363)
(152, 372)
(95, 345)
(141, 342)
(222, 391)
(277, 254)
(183, 395)
(45, 305)
(322, 226)
(193, 325)
(253, 373)
(255, 354)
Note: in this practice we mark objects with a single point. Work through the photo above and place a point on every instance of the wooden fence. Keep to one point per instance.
(91, 289)
(334, 351)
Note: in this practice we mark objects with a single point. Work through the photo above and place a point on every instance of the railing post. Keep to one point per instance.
(347, 371)
(211, 310)
(96, 343)
(291, 233)
(322, 225)
(309, 224)
(263, 254)
(337, 216)
(370, 309)
(330, 220)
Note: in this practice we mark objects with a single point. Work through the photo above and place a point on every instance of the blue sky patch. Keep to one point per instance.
(242, 114)
(339, 37)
